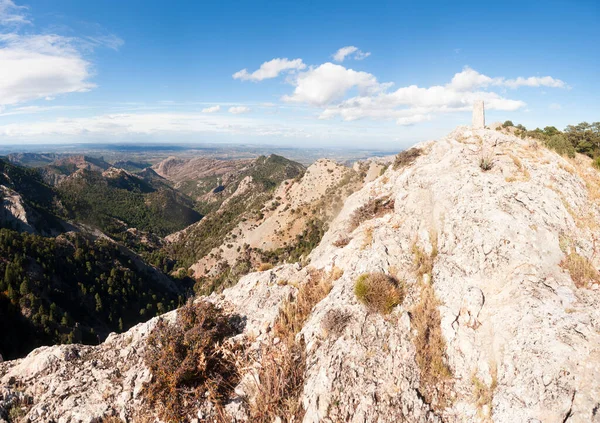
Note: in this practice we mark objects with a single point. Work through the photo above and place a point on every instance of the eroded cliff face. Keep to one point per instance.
(499, 274)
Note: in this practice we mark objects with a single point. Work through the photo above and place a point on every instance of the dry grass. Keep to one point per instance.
(374, 208)
(264, 266)
(522, 169)
(582, 272)
(406, 158)
(483, 395)
(430, 346)
(281, 367)
(379, 292)
(429, 340)
(424, 262)
(335, 274)
(189, 363)
(566, 168)
(368, 240)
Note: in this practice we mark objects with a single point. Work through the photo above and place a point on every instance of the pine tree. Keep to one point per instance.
(98, 303)
(25, 288)
(12, 294)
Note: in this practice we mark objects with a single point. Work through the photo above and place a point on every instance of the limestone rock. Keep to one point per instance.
(515, 323)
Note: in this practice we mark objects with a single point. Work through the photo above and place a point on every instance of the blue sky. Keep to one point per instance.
(317, 73)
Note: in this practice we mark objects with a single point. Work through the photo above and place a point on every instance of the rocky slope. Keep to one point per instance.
(492, 240)
(297, 210)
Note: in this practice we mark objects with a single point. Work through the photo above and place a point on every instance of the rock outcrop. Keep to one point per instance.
(498, 265)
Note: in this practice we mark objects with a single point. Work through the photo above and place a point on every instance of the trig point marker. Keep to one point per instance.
(478, 115)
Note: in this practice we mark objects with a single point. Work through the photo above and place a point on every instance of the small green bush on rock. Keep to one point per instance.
(379, 292)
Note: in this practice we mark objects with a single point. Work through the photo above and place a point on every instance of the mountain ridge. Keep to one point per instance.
(489, 240)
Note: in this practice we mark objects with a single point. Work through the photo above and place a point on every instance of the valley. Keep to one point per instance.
(91, 247)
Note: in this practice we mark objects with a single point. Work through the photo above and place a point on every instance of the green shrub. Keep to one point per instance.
(507, 124)
(379, 292)
(561, 145)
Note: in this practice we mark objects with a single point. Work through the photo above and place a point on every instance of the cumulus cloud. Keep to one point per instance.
(469, 79)
(238, 110)
(413, 104)
(350, 51)
(352, 95)
(270, 69)
(40, 66)
(212, 109)
(330, 82)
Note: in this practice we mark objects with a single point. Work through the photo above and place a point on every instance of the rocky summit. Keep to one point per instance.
(460, 285)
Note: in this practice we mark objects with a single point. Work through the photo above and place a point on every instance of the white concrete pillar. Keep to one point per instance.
(478, 115)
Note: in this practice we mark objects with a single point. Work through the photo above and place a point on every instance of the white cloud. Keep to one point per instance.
(40, 66)
(101, 40)
(12, 15)
(270, 69)
(554, 106)
(414, 104)
(35, 66)
(330, 82)
(238, 110)
(341, 54)
(533, 81)
(469, 79)
(212, 109)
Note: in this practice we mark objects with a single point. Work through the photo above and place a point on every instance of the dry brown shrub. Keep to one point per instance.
(281, 368)
(374, 208)
(379, 292)
(406, 157)
(189, 362)
(335, 321)
(342, 241)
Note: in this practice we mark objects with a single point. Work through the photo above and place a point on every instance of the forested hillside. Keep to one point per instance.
(72, 289)
(117, 201)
